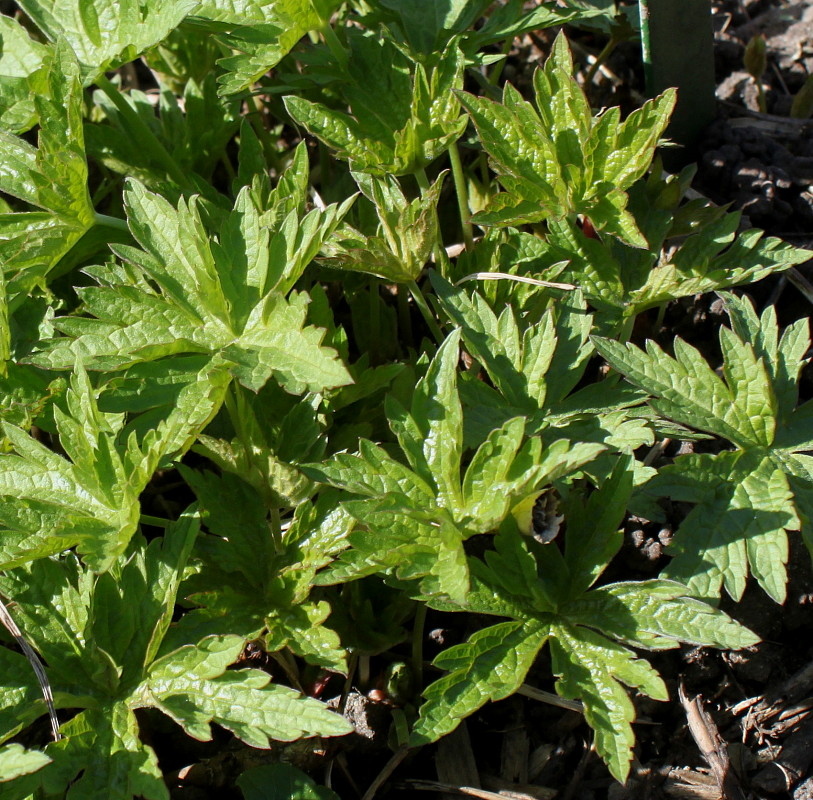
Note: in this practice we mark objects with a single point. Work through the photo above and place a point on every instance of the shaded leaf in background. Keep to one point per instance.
(418, 121)
(262, 33)
(194, 129)
(273, 600)
(406, 234)
(281, 782)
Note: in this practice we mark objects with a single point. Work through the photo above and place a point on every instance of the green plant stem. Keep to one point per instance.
(352, 666)
(364, 671)
(255, 119)
(417, 645)
(762, 101)
(235, 405)
(496, 73)
(111, 222)
(659, 318)
(156, 522)
(482, 162)
(627, 324)
(462, 195)
(600, 59)
(404, 317)
(335, 46)
(145, 136)
(401, 726)
(374, 320)
(105, 187)
(439, 250)
(228, 166)
(426, 312)
(275, 526)
(286, 661)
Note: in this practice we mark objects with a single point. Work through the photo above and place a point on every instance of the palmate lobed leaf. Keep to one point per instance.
(590, 667)
(561, 159)
(210, 300)
(607, 706)
(106, 35)
(713, 258)
(745, 501)
(52, 177)
(102, 758)
(91, 498)
(547, 596)
(417, 516)
(534, 364)
(101, 637)
(490, 666)
(693, 248)
(744, 507)
(404, 135)
(689, 391)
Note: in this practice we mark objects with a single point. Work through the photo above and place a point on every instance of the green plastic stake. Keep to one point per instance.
(678, 50)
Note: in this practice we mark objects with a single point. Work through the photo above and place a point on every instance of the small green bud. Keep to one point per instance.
(756, 59)
(802, 106)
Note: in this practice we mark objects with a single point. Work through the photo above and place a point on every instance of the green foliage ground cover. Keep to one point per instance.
(184, 287)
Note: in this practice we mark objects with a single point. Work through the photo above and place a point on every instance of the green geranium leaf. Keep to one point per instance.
(51, 178)
(103, 35)
(103, 638)
(547, 595)
(15, 761)
(693, 248)
(91, 498)
(534, 367)
(558, 159)
(425, 510)
(744, 499)
(417, 123)
(23, 78)
(224, 298)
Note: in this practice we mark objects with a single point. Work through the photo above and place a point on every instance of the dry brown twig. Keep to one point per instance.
(711, 745)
